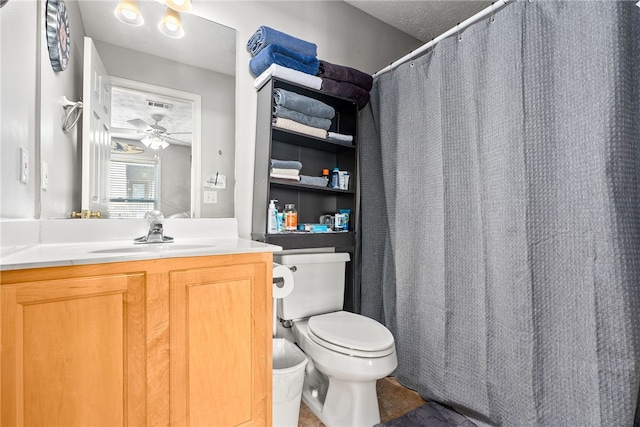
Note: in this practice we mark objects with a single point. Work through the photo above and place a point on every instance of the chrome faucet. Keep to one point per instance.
(156, 230)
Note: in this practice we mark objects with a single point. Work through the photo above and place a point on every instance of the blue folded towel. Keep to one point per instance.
(316, 122)
(286, 164)
(304, 104)
(276, 54)
(265, 36)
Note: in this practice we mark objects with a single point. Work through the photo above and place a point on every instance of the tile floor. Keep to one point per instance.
(394, 400)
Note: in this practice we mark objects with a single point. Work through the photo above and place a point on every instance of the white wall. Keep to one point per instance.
(18, 61)
(62, 152)
(344, 36)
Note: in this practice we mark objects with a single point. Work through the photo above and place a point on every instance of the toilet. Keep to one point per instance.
(347, 352)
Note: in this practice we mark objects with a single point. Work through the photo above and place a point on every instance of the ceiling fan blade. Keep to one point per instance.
(128, 137)
(128, 131)
(179, 133)
(140, 124)
(130, 134)
(174, 140)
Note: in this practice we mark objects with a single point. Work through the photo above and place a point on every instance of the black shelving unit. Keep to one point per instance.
(315, 154)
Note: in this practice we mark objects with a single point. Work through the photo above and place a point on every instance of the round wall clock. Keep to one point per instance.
(58, 34)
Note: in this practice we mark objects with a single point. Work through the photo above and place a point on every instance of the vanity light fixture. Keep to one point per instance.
(179, 5)
(171, 25)
(154, 142)
(128, 12)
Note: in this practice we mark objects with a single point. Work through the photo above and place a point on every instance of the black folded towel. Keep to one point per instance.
(342, 73)
(346, 90)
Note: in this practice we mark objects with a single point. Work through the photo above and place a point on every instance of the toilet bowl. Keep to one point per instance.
(347, 352)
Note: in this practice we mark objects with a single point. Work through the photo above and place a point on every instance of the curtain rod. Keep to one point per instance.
(461, 26)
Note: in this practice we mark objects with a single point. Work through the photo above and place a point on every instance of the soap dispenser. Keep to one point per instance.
(272, 217)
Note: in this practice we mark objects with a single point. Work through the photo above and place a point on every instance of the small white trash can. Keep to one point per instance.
(289, 363)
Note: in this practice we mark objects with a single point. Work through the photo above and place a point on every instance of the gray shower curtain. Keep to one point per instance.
(500, 216)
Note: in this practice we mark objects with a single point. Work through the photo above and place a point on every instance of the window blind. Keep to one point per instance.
(133, 188)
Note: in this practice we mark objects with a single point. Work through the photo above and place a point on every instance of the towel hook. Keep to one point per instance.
(459, 36)
(70, 108)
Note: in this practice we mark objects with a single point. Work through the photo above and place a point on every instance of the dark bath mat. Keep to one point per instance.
(431, 414)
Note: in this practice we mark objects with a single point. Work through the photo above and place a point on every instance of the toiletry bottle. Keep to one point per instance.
(290, 217)
(325, 174)
(335, 178)
(272, 217)
(280, 217)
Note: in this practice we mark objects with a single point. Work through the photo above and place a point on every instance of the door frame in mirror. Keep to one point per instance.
(196, 163)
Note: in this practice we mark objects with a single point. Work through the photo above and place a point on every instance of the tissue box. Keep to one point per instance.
(313, 228)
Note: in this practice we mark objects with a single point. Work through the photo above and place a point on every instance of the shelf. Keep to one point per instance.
(315, 154)
(301, 240)
(283, 183)
(308, 141)
(338, 102)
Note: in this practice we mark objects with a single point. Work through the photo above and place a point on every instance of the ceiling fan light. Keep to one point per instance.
(128, 12)
(154, 142)
(179, 5)
(171, 25)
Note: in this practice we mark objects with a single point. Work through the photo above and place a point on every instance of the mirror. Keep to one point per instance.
(173, 93)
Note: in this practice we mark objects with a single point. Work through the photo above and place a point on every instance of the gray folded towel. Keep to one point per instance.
(286, 164)
(316, 122)
(340, 137)
(318, 181)
(304, 104)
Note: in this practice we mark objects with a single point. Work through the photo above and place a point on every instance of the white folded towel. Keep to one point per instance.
(289, 177)
(282, 171)
(281, 123)
(289, 75)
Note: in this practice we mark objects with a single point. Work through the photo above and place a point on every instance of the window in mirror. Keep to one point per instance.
(134, 188)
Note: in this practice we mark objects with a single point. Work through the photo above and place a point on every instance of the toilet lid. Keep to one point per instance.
(351, 333)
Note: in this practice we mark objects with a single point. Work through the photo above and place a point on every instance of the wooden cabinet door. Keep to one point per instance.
(73, 351)
(220, 351)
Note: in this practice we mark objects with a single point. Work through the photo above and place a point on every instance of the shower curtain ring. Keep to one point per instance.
(411, 64)
(493, 18)
(459, 36)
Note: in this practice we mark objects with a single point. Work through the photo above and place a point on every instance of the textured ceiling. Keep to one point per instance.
(131, 104)
(422, 19)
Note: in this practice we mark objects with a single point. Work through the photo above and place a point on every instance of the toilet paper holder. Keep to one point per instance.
(278, 281)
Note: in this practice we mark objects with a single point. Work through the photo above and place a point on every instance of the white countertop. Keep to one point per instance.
(75, 242)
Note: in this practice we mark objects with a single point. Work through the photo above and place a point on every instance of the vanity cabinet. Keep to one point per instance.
(173, 341)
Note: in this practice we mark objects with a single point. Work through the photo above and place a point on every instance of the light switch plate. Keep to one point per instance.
(211, 197)
(44, 176)
(24, 165)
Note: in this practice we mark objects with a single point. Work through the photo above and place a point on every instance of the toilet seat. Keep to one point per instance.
(351, 334)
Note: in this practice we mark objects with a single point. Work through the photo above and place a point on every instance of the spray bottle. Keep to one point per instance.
(272, 218)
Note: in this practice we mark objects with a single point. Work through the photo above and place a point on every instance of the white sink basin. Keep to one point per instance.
(154, 247)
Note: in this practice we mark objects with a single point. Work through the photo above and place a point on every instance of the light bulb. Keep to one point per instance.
(179, 5)
(129, 12)
(170, 25)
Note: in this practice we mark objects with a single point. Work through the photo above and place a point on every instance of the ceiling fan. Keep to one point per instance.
(153, 135)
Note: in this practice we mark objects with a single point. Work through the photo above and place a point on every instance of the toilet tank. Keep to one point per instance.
(318, 283)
